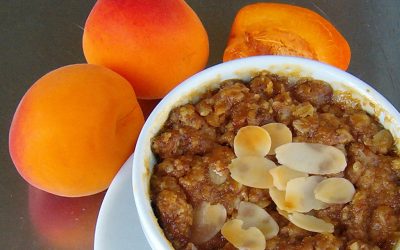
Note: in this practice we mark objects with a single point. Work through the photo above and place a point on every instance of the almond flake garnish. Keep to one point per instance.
(280, 134)
(282, 174)
(252, 140)
(250, 239)
(311, 223)
(397, 245)
(335, 191)
(254, 216)
(283, 213)
(279, 199)
(300, 194)
(217, 177)
(312, 158)
(252, 171)
(207, 221)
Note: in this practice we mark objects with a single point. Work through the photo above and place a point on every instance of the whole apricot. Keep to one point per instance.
(154, 44)
(73, 130)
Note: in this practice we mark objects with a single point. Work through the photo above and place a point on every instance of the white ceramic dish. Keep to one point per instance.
(144, 160)
(118, 225)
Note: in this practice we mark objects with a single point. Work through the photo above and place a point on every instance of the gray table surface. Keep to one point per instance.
(37, 36)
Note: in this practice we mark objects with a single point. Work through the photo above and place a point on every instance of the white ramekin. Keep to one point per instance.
(189, 91)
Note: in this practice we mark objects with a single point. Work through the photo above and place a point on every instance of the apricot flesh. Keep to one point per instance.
(73, 130)
(154, 44)
(284, 29)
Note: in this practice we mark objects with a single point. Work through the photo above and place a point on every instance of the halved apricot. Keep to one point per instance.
(282, 29)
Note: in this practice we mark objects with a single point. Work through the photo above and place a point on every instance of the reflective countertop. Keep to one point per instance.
(37, 36)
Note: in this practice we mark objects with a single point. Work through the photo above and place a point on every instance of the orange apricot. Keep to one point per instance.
(282, 29)
(73, 130)
(154, 44)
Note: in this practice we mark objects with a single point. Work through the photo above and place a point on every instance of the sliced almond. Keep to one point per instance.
(279, 199)
(311, 223)
(300, 194)
(207, 221)
(311, 158)
(282, 174)
(280, 134)
(252, 171)
(335, 191)
(251, 238)
(397, 245)
(217, 177)
(282, 212)
(254, 216)
(251, 140)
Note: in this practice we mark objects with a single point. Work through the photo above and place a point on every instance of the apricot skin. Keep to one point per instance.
(73, 130)
(154, 44)
(284, 29)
